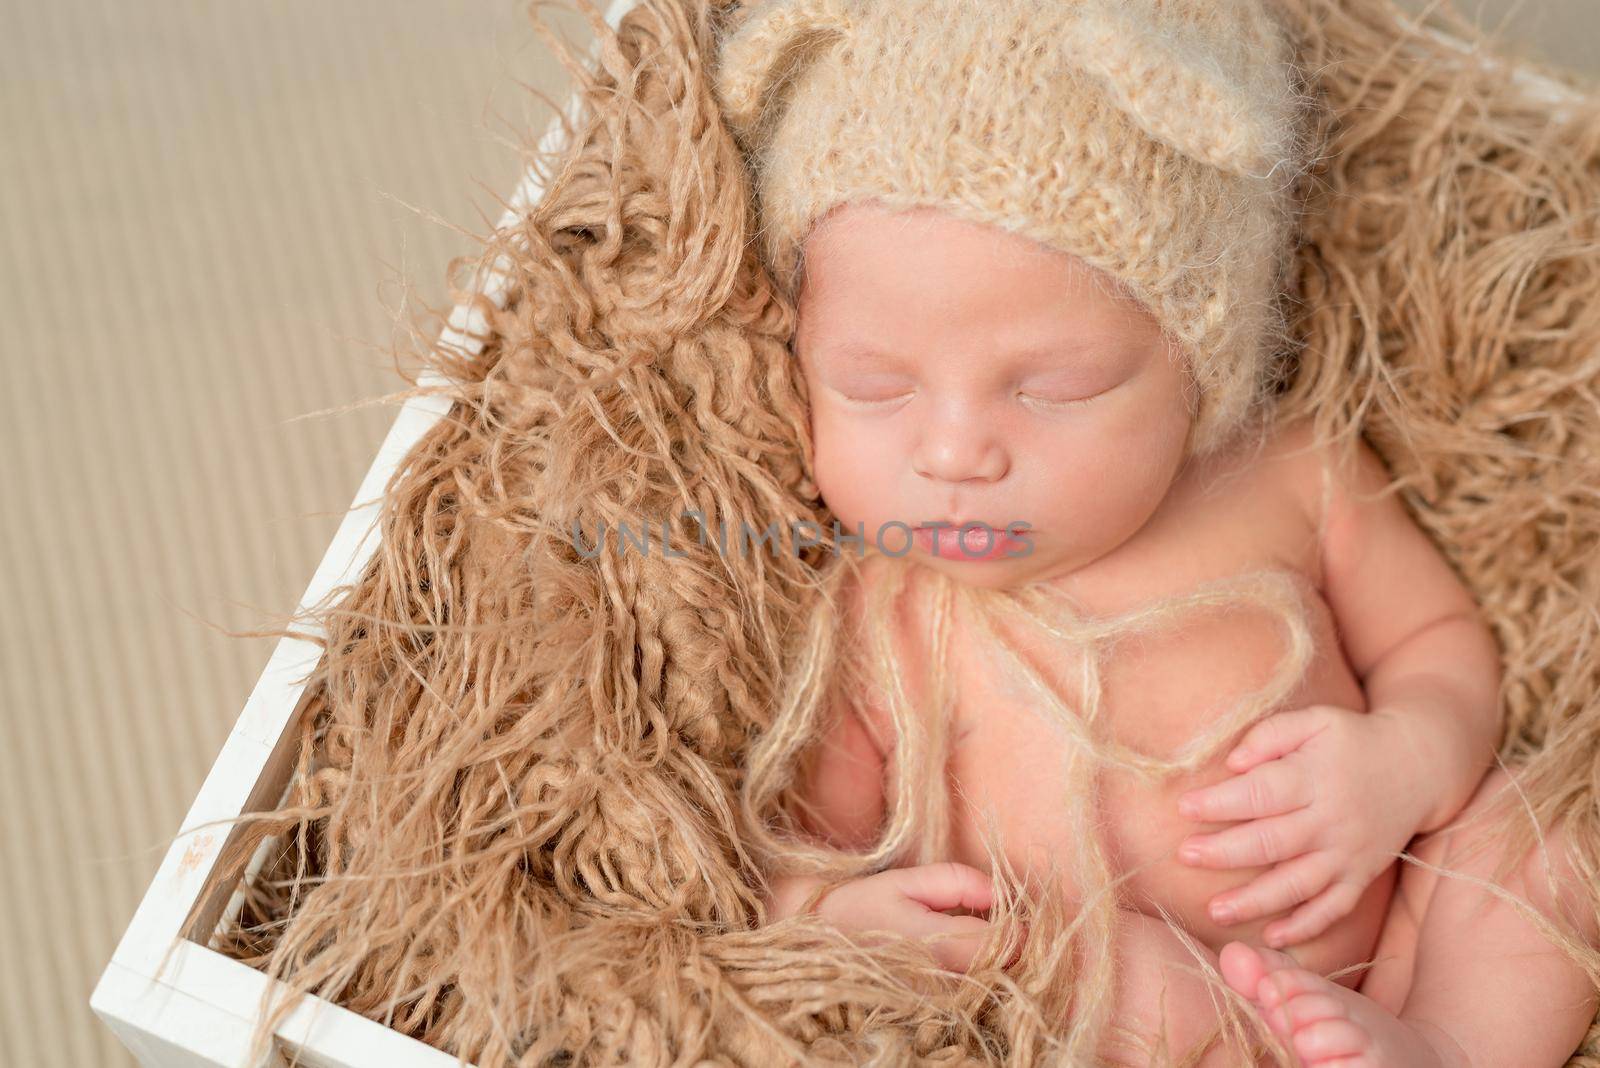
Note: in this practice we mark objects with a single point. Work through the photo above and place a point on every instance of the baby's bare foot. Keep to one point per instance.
(1329, 1025)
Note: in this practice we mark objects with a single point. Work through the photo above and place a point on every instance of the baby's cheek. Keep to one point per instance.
(851, 471)
(825, 447)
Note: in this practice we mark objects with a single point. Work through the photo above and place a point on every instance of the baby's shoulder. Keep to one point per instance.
(1295, 464)
(1327, 476)
(1268, 496)
(1277, 473)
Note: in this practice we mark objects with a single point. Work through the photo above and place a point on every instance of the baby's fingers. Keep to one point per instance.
(1246, 845)
(1315, 916)
(1265, 790)
(1284, 887)
(945, 885)
(953, 940)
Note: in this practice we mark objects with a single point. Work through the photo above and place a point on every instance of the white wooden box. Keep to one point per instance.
(174, 1002)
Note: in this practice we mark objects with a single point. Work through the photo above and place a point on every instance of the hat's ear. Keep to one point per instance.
(1212, 80)
(766, 44)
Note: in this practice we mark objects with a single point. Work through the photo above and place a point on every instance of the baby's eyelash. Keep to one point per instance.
(882, 402)
(873, 402)
(1075, 402)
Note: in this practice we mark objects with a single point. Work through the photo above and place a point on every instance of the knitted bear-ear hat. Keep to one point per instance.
(1156, 140)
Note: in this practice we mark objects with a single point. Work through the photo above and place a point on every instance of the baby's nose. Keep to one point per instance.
(961, 454)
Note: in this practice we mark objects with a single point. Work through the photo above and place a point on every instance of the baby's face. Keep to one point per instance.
(960, 372)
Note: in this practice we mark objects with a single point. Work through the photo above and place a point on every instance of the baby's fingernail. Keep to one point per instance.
(1189, 853)
(1222, 912)
(1187, 807)
(1273, 939)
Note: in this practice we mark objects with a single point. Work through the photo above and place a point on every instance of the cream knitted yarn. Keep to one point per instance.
(1157, 140)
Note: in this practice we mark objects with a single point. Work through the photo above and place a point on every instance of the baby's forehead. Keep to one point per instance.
(838, 294)
(858, 248)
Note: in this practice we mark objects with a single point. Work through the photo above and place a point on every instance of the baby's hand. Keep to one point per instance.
(908, 901)
(1325, 797)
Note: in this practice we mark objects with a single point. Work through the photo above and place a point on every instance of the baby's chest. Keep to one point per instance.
(1152, 693)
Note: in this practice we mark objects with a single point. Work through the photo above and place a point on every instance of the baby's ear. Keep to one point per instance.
(1214, 80)
(766, 46)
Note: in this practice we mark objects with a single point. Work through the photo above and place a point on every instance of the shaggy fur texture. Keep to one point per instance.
(537, 792)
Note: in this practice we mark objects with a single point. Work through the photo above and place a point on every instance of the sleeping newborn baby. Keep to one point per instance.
(1037, 252)
(960, 375)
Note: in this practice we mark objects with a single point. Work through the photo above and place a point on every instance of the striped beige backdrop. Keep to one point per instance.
(204, 233)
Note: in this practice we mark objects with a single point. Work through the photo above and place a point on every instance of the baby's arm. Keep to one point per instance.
(1412, 633)
(1329, 795)
(839, 794)
(842, 795)
(841, 802)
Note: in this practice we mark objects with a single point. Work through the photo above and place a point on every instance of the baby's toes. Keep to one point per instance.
(1285, 983)
(1304, 1009)
(1313, 1013)
(1328, 1038)
(1244, 967)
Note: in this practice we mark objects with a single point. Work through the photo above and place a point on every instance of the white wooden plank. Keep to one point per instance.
(202, 1011)
(144, 1015)
(1559, 97)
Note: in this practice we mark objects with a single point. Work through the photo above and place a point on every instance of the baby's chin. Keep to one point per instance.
(1005, 572)
(1047, 563)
